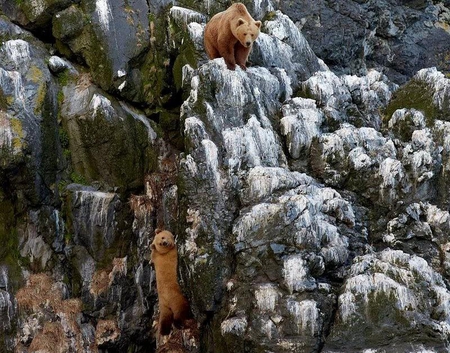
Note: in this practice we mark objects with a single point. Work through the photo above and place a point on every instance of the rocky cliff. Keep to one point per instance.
(309, 195)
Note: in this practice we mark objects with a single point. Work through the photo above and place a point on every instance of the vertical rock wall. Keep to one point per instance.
(310, 205)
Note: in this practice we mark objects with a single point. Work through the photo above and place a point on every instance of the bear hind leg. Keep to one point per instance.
(211, 49)
(212, 52)
(181, 313)
(165, 320)
(226, 51)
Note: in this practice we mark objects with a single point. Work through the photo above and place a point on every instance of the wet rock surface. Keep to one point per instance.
(308, 194)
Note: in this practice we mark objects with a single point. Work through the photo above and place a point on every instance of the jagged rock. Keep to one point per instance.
(387, 297)
(233, 131)
(421, 227)
(300, 124)
(68, 23)
(284, 232)
(282, 247)
(58, 65)
(29, 127)
(35, 242)
(428, 92)
(109, 142)
(284, 184)
(349, 98)
(95, 217)
(283, 46)
(402, 37)
(33, 15)
(6, 310)
(108, 36)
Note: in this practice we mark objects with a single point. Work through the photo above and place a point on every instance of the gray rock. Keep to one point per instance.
(351, 37)
(58, 65)
(33, 15)
(284, 184)
(29, 99)
(282, 45)
(118, 138)
(393, 287)
(94, 222)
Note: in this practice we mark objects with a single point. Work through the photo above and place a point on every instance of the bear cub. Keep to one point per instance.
(230, 35)
(173, 306)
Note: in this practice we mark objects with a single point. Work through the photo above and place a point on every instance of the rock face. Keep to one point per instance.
(308, 194)
(401, 37)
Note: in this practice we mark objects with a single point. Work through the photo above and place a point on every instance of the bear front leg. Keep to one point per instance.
(226, 51)
(241, 54)
(165, 320)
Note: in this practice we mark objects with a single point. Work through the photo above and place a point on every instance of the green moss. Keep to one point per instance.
(67, 154)
(78, 179)
(187, 52)
(90, 47)
(415, 94)
(18, 133)
(69, 23)
(63, 138)
(305, 93)
(4, 101)
(270, 16)
(378, 302)
(63, 79)
(9, 251)
(16, 126)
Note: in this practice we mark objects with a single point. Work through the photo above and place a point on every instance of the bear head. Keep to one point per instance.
(247, 32)
(163, 241)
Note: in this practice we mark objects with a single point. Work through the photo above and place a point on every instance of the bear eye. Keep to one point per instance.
(245, 34)
(253, 35)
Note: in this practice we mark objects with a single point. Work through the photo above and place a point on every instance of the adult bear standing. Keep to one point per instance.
(173, 306)
(230, 35)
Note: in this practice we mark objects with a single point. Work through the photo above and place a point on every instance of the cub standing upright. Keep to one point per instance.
(173, 306)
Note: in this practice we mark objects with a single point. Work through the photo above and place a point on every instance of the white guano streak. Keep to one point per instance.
(266, 297)
(306, 315)
(18, 51)
(104, 13)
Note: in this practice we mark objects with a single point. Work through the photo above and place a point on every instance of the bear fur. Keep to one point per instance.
(230, 35)
(173, 306)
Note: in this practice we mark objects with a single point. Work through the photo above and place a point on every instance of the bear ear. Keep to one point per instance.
(241, 21)
(258, 24)
(157, 230)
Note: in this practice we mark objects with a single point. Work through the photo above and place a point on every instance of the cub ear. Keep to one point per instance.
(241, 21)
(158, 230)
(152, 246)
(258, 24)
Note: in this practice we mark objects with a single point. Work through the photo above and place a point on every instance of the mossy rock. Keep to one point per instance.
(68, 23)
(415, 94)
(9, 251)
(107, 145)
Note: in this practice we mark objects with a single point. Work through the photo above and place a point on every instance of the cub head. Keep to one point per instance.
(163, 241)
(247, 32)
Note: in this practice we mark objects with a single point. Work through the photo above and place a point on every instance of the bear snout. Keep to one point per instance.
(165, 243)
(247, 44)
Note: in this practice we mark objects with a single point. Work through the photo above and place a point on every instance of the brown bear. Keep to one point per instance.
(230, 35)
(173, 306)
